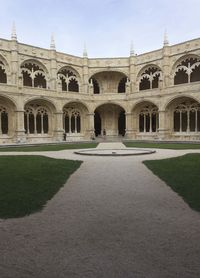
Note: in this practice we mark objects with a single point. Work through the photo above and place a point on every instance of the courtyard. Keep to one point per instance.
(112, 218)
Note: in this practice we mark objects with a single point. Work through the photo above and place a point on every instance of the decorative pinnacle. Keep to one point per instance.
(166, 41)
(85, 51)
(13, 34)
(132, 52)
(52, 45)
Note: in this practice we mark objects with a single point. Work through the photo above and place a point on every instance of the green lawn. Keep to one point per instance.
(28, 182)
(49, 147)
(182, 174)
(175, 146)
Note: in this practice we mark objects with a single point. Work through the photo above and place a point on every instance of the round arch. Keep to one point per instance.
(75, 118)
(139, 103)
(8, 108)
(109, 119)
(42, 100)
(110, 102)
(183, 116)
(76, 102)
(70, 68)
(38, 117)
(108, 81)
(5, 62)
(37, 62)
(176, 98)
(182, 58)
(146, 67)
(146, 117)
(110, 70)
(10, 100)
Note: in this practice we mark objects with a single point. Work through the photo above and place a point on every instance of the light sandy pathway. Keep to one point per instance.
(113, 219)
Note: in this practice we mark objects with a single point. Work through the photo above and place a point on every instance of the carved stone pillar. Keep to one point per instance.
(91, 131)
(20, 136)
(162, 130)
(129, 129)
(59, 131)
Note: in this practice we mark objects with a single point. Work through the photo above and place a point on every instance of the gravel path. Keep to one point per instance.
(112, 219)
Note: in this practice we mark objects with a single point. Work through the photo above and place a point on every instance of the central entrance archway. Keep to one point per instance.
(110, 117)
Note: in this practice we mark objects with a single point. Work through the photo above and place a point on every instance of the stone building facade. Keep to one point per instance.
(46, 95)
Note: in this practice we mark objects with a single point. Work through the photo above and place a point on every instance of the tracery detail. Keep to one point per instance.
(36, 119)
(33, 75)
(3, 75)
(69, 80)
(148, 119)
(71, 120)
(187, 117)
(187, 71)
(150, 78)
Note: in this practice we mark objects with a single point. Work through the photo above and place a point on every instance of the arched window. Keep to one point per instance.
(187, 117)
(69, 80)
(122, 85)
(71, 120)
(95, 85)
(36, 120)
(33, 75)
(187, 71)
(148, 119)
(149, 79)
(3, 120)
(3, 76)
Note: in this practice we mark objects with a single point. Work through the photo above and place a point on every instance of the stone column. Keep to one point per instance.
(129, 129)
(162, 130)
(91, 131)
(20, 136)
(59, 131)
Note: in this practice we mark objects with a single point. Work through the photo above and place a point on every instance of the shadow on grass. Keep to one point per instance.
(182, 174)
(43, 148)
(174, 146)
(28, 182)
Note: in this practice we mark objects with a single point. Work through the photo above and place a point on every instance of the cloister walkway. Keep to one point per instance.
(112, 219)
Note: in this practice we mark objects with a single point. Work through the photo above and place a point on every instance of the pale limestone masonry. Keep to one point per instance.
(48, 96)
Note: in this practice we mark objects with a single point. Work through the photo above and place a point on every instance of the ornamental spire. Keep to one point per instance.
(85, 51)
(52, 45)
(132, 52)
(166, 41)
(13, 33)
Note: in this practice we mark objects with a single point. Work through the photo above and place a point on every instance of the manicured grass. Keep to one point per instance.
(182, 174)
(175, 146)
(49, 147)
(28, 182)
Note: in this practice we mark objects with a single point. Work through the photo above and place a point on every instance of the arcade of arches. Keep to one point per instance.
(48, 96)
(40, 120)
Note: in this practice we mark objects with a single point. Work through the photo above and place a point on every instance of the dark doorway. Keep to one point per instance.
(122, 123)
(97, 124)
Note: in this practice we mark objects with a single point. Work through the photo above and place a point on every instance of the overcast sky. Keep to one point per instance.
(106, 26)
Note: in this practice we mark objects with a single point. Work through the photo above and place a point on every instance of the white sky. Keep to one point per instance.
(106, 26)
